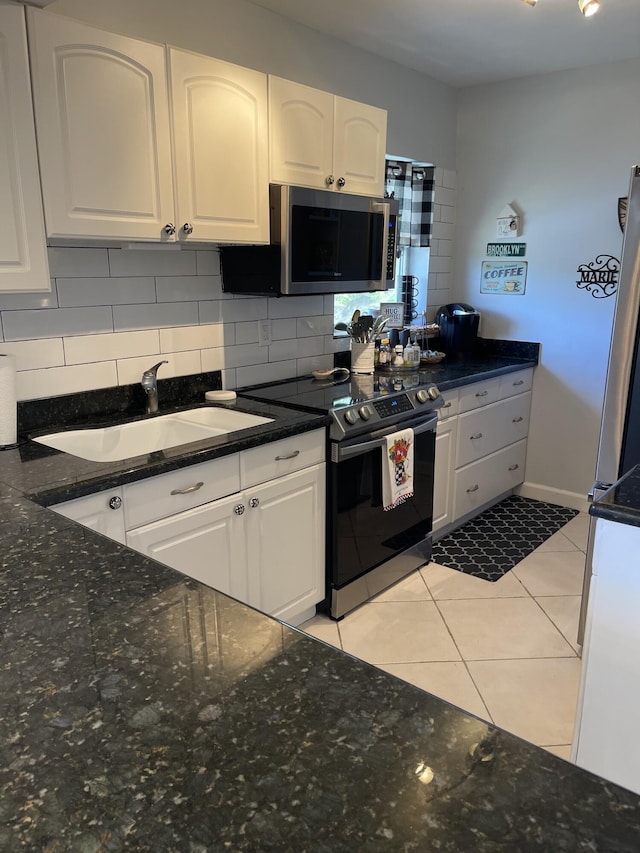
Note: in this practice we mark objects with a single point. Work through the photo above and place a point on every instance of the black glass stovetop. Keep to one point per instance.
(321, 395)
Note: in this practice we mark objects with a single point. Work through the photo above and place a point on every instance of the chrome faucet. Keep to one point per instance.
(150, 385)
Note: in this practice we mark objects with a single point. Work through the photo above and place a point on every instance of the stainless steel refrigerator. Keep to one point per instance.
(619, 445)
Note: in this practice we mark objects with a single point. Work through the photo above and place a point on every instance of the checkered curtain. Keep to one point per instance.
(413, 187)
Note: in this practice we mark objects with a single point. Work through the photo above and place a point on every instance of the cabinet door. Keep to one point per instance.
(102, 119)
(23, 254)
(443, 473)
(205, 543)
(219, 114)
(359, 147)
(101, 512)
(285, 544)
(481, 482)
(301, 134)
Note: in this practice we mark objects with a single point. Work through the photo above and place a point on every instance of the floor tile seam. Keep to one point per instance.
(380, 664)
(479, 692)
(554, 745)
(566, 639)
(487, 598)
(572, 656)
(448, 629)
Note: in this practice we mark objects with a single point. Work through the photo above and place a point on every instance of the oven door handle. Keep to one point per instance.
(347, 451)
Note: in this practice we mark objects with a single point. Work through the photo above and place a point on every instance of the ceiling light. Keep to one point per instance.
(588, 7)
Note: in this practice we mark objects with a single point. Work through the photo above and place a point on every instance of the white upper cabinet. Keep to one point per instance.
(220, 143)
(102, 118)
(23, 254)
(324, 141)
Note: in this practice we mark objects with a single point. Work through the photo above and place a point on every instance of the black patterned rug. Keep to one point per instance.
(497, 539)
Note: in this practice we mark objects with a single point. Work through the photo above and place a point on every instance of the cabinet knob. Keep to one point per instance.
(329, 180)
(187, 228)
(341, 182)
(115, 502)
(254, 502)
(170, 229)
(238, 509)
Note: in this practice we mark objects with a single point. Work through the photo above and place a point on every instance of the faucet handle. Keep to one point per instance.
(153, 371)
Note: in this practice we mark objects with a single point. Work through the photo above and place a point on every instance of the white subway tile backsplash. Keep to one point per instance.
(228, 378)
(296, 306)
(438, 176)
(154, 260)
(32, 355)
(449, 178)
(444, 248)
(437, 264)
(445, 196)
(118, 345)
(78, 292)
(271, 372)
(443, 281)
(26, 301)
(154, 316)
(245, 354)
(233, 310)
(208, 262)
(246, 333)
(67, 262)
(447, 213)
(212, 359)
(296, 348)
(443, 230)
(130, 370)
(188, 288)
(341, 344)
(282, 329)
(56, 322)
(304, 366)
(310, 326)
(328, 304)
(192, 337)
(36, 384)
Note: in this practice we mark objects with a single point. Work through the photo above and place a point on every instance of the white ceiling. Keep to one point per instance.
(467, 42)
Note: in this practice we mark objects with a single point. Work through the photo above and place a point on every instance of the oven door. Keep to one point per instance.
(363, 535)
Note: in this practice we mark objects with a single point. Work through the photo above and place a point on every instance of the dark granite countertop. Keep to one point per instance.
(621, 502)
(143, 711)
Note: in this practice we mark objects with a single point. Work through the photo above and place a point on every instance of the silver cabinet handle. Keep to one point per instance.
(341, 182)
(188, 490)
(517, 420)
(238, 509)
(187, 228)
(170, 229)
(519, 382)
(288, 456)
(477, 435)
(514, 467)
(482, 393)
(115, 502)
(254, 502)
(473, 489)
(329, 180)
(445, 406)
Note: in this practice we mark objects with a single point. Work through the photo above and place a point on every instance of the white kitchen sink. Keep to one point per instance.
(111, 444)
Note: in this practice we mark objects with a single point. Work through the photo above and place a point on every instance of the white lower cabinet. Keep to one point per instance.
(250, 524)
(481, 446)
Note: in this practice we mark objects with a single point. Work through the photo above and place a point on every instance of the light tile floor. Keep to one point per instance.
(504, 651)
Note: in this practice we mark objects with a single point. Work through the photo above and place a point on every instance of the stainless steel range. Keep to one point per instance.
(368, 548)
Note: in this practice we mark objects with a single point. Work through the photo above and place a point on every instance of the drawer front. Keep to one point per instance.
(167, 494)
(479, 394)
(488, 429)
(482, 481)
(516, 383)
(278, 458)
(101, 512)
(451, 403)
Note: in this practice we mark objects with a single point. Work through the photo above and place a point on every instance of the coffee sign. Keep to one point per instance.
(504, 277)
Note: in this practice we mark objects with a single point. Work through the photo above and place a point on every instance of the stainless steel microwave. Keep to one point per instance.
(321, 242)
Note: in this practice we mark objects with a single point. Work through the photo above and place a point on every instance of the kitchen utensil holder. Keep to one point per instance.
(362, 357)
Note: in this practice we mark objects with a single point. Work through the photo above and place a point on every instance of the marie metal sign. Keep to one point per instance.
(599, 277)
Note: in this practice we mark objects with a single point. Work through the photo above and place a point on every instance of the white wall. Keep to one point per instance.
(560, 148)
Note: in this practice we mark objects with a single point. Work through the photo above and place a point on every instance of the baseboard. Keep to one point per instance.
(561, 497)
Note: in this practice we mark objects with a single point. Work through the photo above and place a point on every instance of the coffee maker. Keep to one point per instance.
(458, 327)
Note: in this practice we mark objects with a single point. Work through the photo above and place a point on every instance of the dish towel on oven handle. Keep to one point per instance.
(397, 468)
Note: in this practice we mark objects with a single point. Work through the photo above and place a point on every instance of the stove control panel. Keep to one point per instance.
(389, 406)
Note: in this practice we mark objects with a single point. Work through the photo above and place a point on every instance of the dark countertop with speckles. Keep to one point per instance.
(143, 711)
(621, 502)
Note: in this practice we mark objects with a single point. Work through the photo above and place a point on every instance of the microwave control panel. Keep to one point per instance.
(391, 247)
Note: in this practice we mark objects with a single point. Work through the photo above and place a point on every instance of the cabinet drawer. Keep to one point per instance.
(479, 394)
(101, 512)
(450, 406)
(482, 481)
(281, 457)
(492, 427)
(167, 494)
(516, 383)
